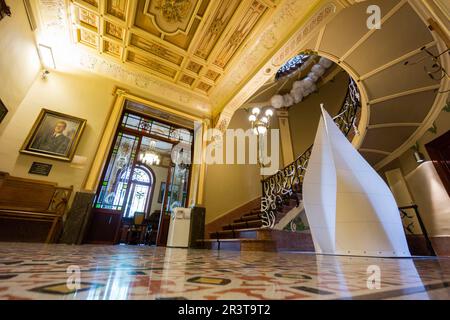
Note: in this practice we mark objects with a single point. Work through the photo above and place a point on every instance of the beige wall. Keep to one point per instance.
(407, 161)
(81, 94)
(230, 186)
(304, 117)
(19, 61)
(160, 176)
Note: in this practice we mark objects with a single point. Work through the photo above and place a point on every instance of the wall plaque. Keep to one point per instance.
(40, 168)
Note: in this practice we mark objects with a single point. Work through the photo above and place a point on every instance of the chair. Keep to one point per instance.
(137, 230)
(152, 230)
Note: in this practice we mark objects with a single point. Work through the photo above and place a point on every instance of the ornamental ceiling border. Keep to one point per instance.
(171, 11)
(291, 47)
(53, 22)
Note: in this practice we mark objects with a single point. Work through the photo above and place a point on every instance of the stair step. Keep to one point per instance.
(248, 233)
(243, 225)
(253, 212)
(248, 218)
(239, 244)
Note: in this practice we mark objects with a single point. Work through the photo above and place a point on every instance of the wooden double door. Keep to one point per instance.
(128, 182)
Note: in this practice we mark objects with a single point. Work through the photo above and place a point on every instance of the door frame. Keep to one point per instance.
(197, 183)
(441, 164)
(139, 135)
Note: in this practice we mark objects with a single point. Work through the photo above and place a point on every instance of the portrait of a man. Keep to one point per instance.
(56, 141)
(54, 135)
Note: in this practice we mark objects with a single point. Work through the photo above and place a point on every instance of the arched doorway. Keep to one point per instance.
(141, 189)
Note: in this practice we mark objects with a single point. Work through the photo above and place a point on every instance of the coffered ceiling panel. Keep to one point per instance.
(372, 157)
(412, 108)
(187, 42)
(387, 139)
(400, 77)
(378, 49)
(351, 23)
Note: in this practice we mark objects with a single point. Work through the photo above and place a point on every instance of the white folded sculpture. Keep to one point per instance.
(350, 209)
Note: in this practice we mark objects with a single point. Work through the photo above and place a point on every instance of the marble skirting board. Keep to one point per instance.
(77, 218)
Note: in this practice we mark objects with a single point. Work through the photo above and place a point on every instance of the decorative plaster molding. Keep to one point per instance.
(289, 49)
(53, 20)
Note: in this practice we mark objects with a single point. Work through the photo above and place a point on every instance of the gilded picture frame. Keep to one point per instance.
(54, 135)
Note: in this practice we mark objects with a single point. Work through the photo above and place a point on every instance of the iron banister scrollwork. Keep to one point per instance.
(287, 182)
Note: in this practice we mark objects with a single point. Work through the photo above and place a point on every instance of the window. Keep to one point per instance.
(141, 185)
(156, 128)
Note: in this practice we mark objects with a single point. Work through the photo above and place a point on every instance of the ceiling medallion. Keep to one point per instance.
(174, 10)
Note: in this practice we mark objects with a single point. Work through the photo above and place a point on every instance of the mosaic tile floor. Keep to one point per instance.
(38, 271)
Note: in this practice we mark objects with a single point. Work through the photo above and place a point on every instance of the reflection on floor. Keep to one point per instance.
(38, 271)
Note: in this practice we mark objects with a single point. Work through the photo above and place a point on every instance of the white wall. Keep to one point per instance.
(19, 61)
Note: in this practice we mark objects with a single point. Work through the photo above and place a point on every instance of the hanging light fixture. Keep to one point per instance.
(149, 157)
(260, 120)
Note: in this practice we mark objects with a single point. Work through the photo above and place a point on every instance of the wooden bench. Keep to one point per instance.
(33, 200)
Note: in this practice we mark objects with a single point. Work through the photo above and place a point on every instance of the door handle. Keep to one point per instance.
(110, 219)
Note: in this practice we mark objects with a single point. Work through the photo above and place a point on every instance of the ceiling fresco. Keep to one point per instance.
(187, 42)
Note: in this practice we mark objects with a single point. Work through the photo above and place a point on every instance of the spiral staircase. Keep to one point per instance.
(400, 98)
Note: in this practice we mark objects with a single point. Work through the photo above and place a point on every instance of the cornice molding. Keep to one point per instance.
(53, 17)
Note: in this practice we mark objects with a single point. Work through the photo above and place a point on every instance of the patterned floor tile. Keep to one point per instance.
(39, 271)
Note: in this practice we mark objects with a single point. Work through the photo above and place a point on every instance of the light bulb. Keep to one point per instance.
(252, 118)
(256, 111)
(269, 112)
(264, 120)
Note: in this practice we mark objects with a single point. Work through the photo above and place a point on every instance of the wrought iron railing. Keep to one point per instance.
(409, 225)
(287, 183)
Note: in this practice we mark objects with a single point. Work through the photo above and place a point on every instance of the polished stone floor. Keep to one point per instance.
(38, 271)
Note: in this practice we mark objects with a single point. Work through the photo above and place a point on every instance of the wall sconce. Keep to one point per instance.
(417, 154)
(419, 157)
(44, 74)
(46, 55)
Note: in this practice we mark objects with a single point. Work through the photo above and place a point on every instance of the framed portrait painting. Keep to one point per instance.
(54, 135)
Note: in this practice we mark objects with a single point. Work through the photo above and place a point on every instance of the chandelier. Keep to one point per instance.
(260, 120)
(149, 157)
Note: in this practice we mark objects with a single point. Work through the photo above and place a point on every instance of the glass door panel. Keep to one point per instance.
(115, 182)
(177, 193)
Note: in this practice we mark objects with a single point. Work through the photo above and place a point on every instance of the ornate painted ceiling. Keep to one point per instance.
(189, 54)
(187, 42)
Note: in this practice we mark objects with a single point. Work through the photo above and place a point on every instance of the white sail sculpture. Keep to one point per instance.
(350, 209)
